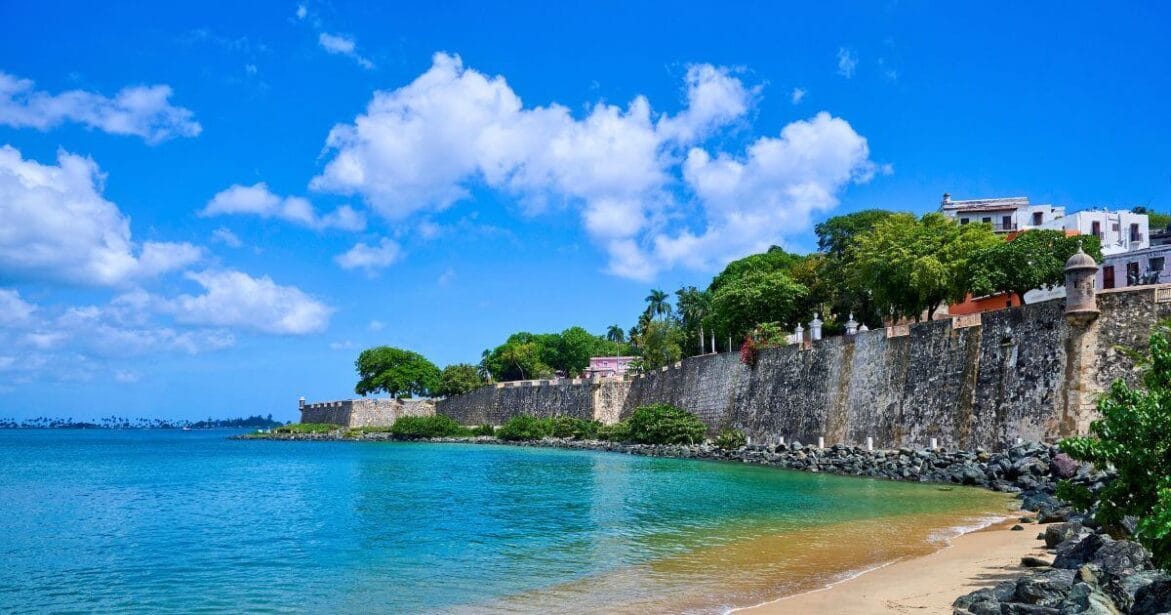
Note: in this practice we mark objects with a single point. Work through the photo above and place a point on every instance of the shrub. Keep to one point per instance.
(524, 427)
(618, 432)
(665, 424)
(1134, 435)
(569, 427)
(437, 426)
(731, 439)
(307, 428)
(484, 430)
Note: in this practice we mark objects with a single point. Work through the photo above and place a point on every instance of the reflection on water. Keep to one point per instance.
(183, 521)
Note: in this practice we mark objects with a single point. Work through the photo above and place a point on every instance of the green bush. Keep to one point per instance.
(618, 432)
(569, 427)
(307, 428)
(525, 427)
(1134, 435)
(437, 426)
(484, 430)
(731, 439)
(665, 424)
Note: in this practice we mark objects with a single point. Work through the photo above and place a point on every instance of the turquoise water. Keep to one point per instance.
(169, 521)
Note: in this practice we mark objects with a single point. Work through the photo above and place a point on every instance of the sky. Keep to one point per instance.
(208, 209)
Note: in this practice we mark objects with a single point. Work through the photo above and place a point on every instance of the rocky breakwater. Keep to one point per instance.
(1091, 573)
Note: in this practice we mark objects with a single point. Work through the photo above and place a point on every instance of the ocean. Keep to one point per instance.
(171, 521)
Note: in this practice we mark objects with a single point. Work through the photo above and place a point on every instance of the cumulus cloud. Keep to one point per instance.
(258, 200)
(142, 111)
(58, 227)
(237, 300)
(370, 258)
(421, 148)
(13, 309)
(225, 236)
(847, 63)
(338, 44)
(797, 96)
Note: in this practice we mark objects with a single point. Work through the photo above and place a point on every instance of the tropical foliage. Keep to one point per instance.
(418, 427)
(664, 424)
(459, 379)
(1033, 259)
(397, 372)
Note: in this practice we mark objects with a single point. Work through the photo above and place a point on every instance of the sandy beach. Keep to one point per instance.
(927, 584)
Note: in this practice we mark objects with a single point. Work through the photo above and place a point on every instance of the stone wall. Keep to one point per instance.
(365, 412)
(981, 380)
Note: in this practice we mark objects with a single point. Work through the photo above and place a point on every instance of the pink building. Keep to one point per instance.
(607, 366)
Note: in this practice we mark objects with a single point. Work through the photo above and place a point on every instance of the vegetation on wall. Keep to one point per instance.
(1133, 436)
(459, 379)
(397, 372)
(1033, 259)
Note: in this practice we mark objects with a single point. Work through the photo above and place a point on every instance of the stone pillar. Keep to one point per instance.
(799, 334)
(301, 403)
(815, 328)
(851, 325)
(1080, 394)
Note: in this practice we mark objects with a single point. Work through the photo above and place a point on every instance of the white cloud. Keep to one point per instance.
(422, 147)
(237, 300)
(127, 376)
(57, 227)
(338, 44)
(225, 236)
(258, 200)
(342, 345)
(142, 111)
(13, 309)
(376, 325)
(370, 258)
(847, 63)
(302, 11)
(797, 96)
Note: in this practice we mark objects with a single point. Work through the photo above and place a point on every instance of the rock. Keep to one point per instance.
(1045, 589)
(1060, 532)
(1072, 554)
(1036, 500)
(1028, 466)
(1063, 466)
(1124, 589)
(1153, 599)
(1027, 609)
(1035, 562)
(1122, 557)
(1084, 598)
(1053, 515)
(1017, 528)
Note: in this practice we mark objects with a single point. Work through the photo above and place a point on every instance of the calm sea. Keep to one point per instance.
(171, 521)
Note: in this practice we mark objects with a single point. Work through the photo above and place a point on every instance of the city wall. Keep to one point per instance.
(981, 380)
(366, 412)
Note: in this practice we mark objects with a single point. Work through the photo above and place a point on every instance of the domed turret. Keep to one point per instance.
(1081, 271)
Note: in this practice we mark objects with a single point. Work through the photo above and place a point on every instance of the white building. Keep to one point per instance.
(1144, 266)
(1005, 215)
(1119, 231)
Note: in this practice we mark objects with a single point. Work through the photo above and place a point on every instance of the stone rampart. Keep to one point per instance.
(982, 380)
(365, 412)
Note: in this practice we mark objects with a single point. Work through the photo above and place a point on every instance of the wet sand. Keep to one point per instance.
(925, 584)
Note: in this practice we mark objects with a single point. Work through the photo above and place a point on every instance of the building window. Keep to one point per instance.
(1134, 234)
(963, 221)
(1096, 229)
(1157, 263)
(1037, 218)
(1107, 276)
(1006, 222)
(986, 220)
(1132, 274)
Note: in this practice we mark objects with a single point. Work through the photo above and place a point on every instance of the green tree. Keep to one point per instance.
(658, 344)
(1134, 436)
(774, 259)
(657, 304)
(459, 379)
(575, 346)
(1034, 259)
(395, 371)
(835, 235)
(756, 297)
(694, 305)
(616, 334)
(913, 265)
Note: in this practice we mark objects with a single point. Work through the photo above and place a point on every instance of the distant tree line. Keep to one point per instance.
(116, 422)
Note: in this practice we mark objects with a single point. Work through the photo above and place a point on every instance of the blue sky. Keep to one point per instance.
(209, 209)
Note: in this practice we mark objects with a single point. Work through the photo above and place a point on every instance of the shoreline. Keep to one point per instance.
(927, 583)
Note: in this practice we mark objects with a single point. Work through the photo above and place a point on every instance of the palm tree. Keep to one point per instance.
(693, 306)
(616, 334)
(657, 304)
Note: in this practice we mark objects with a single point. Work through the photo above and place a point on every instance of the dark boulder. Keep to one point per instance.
(1124, 589)
(1086, 599)
(1060, 532)
(1122, 557)
(1063, 466)
(1072, 554)
(1045, 589)
(1153, 599)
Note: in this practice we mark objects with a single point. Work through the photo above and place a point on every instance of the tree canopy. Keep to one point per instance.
(1033, 259)
(758, 296)
(458, 379)
(395, 371)
(527, 356)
